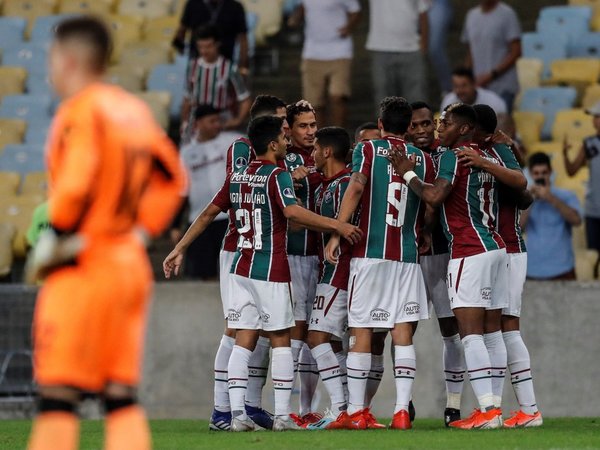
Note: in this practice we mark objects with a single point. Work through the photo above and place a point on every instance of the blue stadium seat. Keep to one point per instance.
(22, 158)
(12, 30)
(570, 25)
(43, 27)
(561, 12)
(37, 132)
(545, 46)
(26, 107)
(586, 45)
(548, 100)
(38, 84)
(170, 78)
(290, 5)
(30, 55)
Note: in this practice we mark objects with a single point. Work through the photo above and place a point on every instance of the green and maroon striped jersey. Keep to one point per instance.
(469, 212)
(258, 194)
(390, 214)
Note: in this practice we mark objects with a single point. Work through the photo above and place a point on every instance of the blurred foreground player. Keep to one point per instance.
(112, 172)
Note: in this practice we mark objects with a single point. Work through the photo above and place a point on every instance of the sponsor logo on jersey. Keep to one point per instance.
(233, 315)
(291, 157)
(241, 161)
(379, 315)
(289, 193)
(486, 294)
(253, 180)
(412, 308)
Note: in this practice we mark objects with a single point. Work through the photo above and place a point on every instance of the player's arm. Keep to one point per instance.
(572, 167)
(315, 222)
(513, 178)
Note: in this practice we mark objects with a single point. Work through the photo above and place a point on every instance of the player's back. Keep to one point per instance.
(104, 148)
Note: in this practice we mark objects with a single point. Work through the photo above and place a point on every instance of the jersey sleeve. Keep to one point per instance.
(239, 85)
(238, 156)
(222, 199)
(339, 195)
(362, 158)
(429, 168)
(448, 166)
(512, 27)
(284, 189)
(352, 6)
(507, 156)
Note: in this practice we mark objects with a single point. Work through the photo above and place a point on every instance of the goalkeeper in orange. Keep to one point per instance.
(115, 178)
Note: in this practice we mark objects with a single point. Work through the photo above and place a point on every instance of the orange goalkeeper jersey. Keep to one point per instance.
(111, 166)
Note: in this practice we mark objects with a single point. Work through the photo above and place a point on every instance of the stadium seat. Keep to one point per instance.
(586, 45)
(12, 131)
(85, 7)
(37, 132)
(584, 264)
(149, 9)
(161, 29)
(159, 102)
(7, 235)
(18, 211)
(35, 183)
(30, 55)
(9, 183)
(575, 71)
(22, 158)
(290, 5)
(545, 46)
(25, 107)
(575, 124)
(591, 96)
(12, 30)
(548, 100)
(529, 126)
(126, 29)
(129, 78)
(38, 84)
(270, 17)
(43, 27)
(579, 238)
(559, 13)
(529, 72)
(170, 78)
(569, 24)
(146, 55)
(13, 80)
(29, 10)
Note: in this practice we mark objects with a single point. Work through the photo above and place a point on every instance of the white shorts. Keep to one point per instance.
(329, 311)
(435, 269)
(479, 281)
(305, 275)
(225, 262)
(517, 272)
(383, 293)
(257, 304)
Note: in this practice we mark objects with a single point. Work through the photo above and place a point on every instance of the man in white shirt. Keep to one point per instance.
(465, 90)
(398, 40)
(327, 54)
(204, 159)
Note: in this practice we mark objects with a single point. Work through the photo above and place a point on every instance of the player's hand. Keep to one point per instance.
(350, 232)
(470, 158)
(332, 249)
(500, 137)
(50, 253)
(173, 262)
(300, 173)
(425, 243)
(401, 162)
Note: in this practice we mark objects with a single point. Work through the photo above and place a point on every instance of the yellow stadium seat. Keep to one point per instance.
(13, 80)
(29, 9)
(591, 96)
(178, 7)
(9, 182)
(129, 78)
(595, 5)
(161, 29)
(529, 72)
(585, 259)
(146, 55)
(7, 235)
(575, 70)
(85, 6)
(35, 183)
(126, 30)
(270, 17)
(12, 131)
(575, 124)
(159, 102)
(18, 211)
(529, 126)
(149, 9)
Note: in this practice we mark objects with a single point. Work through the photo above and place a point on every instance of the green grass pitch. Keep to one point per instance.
(580, 433)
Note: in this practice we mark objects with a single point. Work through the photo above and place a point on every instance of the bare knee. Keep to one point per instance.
(316, 338)
(510, 323)
(378, 343)
(448, 326)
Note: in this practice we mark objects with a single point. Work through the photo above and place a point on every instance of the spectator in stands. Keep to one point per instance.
(465, 90)
(228, 16)
(548, 223)
(212, 78)
(398, 40)
(589, 154)
(493, 34)
(205, 159)
(440, 18)
(39, 222)
(327, 54)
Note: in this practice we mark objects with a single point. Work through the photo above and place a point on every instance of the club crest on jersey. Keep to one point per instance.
(379, 315)
(291, 157)
(327, 197)
(233, 315)
(241, 161)
(289, 192)
(412, 308)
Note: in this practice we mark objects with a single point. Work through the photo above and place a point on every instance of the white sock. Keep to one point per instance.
(520, 371)
(330, 372)
(309, 378)
(480, 370)
(221, 395)
(258, 366)
(375, 376)
(238, 380)
(497, 351)
(282, 368)
(358, 366)
(405, 367)
(341, 357)
(296, 348)
(454, 370)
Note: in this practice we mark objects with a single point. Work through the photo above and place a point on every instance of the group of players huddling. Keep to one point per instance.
(320, 251)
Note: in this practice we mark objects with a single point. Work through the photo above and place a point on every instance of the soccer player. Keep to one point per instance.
(435, 266)
(262, 196)
(366, 132)
(386, 284)
(110, 164)
(239, 154)
(477, 272)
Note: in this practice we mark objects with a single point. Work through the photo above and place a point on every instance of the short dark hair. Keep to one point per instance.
(295, 109)
(93, 32)
(538, 159)
(337, 138)
(465, 113)
(205, 110)
(464, 72)
(265, 105)
(262, 131)
(486, 118)
(207, 32)
(395, 114)
(420, 105)
(365, 126)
